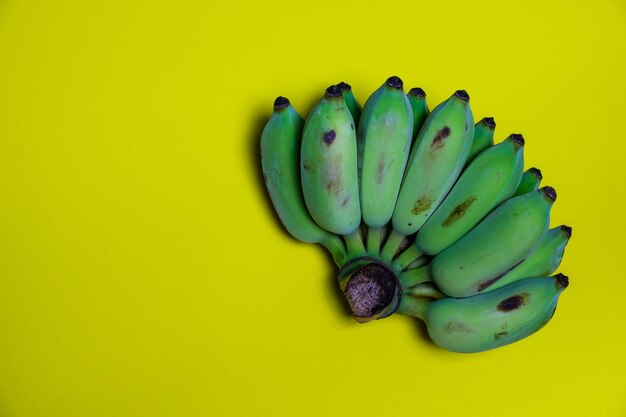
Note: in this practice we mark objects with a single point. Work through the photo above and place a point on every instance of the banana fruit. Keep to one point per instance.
(483, 137)
(530, 181)
(443, 144)
(328, 165)
(422, 212)
(544, 259)
(490, 320)
(350, 100)
(496, 245)
(280, 156)
(384, 141)
(488, 181)
(417, 99)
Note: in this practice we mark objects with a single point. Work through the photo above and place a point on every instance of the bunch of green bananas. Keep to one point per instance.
(422, 213)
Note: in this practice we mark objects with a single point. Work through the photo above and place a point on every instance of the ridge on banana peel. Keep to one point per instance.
(378, 186)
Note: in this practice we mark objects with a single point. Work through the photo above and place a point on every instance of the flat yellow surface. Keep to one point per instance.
(143, 273)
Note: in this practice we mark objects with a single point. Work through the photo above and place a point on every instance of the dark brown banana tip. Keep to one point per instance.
(517, 138)
(536, 172)
(333, 91)
(395, 82)
(344, 86)
(489, 122)
(549, 192)
(462, 95)
(567, 231)
(417, 92)
(561, 280)
(281, 103)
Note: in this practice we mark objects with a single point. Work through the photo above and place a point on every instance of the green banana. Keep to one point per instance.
(442, 146)
(496, 245)
(530, 181)
(384, 144)
(489, 180)
(483, 137)
(491, 320)
(328, 165)
(417, 98)
(543, 260)
(353, 105)
(280, 154)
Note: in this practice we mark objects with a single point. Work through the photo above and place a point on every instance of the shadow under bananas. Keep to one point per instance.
(254, 160)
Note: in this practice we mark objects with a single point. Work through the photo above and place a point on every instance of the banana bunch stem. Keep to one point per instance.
(406, 258)
(373, 240)
(392, 245)
(355, 245)
(337, 249)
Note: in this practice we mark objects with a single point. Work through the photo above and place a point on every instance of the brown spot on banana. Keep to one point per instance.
(456, 326)
(380, 169)
(498, 335)
(513, 303)
(422, 204)
(438, 141)
(458, 212)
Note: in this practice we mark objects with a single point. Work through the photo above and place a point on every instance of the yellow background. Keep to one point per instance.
(143, 273)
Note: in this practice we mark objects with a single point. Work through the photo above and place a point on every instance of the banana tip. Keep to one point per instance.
(462, 95)
(281, 103)
(417, 92)
(536, 172)
(344, 86)
(549, 192)
(562, 281)
(517, 138)
(567, 231)
(489, 122)
(333, 91)
(395, 82)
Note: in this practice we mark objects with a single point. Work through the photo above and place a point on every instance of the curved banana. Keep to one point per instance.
(489, 180)
(483, 137)
(442, 146)
(280, 155)
(384, 143)
(490, 320)
(530, 181)
(353, 105)
(328, 165)
(496, 245)
(417, 98)
(543, 260)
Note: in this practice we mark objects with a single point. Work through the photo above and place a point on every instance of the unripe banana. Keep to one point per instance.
(491, 320)
(543, 260)
(483, 137)
(489, 180)
(434, 164)
(351, 102)
(435, 161)
(496, 245)
(280, 155)
(530, 181)
(329, 165)
(384, 142)
(417, 98)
